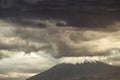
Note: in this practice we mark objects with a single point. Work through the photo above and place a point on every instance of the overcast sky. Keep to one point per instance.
(26, 50)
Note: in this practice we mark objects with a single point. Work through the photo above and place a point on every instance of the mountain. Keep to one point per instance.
(86, 71)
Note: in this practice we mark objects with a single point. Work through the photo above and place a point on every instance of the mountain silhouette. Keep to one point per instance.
(86, 71)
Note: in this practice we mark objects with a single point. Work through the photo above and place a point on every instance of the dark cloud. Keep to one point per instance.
(61, 41)
(67, 33)
(72, 18)
(64, 31)
(75, 43)
(80, 5)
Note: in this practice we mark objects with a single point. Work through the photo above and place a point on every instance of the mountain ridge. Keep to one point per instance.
(70, 71)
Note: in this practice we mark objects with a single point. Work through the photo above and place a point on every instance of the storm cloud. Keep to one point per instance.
(42, 33)
(60, 41)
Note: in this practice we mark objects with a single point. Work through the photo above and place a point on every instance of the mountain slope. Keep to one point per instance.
(78, 71)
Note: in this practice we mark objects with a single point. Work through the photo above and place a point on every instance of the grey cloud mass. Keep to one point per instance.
(59, 41)
(36, 35)
(32, 41)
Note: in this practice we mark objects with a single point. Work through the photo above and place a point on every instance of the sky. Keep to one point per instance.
(26, 50)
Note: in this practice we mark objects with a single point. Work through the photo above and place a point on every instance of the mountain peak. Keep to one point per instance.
(81, 60)
(71, 72)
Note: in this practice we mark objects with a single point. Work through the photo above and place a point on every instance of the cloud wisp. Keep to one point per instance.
(112, 58)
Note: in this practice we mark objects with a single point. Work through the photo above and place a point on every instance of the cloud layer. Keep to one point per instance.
(29, 49)
(59, 41)
(112, 57)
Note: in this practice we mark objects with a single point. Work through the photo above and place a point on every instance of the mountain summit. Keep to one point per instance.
(86, 71)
